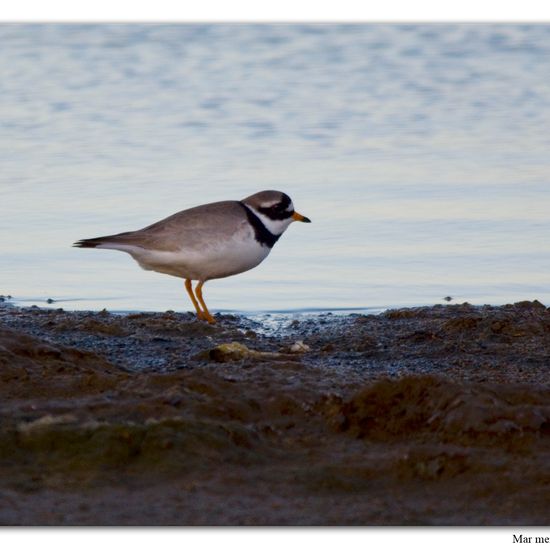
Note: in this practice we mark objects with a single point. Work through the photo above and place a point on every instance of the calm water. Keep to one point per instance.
(420, 152)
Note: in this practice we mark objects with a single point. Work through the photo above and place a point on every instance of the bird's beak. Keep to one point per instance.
(300, 218)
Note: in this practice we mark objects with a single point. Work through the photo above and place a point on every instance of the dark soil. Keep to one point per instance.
(425, 416)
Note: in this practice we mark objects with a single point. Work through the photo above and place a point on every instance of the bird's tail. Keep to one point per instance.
(105, 242)
(89, 243)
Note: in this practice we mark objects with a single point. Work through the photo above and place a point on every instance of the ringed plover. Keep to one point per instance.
(210, 241)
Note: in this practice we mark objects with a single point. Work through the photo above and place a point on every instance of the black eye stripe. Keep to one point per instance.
(275, 212)
(279, 210)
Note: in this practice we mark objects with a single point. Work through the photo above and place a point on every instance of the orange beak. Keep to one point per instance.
(300, 218)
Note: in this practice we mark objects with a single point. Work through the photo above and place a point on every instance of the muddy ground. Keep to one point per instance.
(426, 416)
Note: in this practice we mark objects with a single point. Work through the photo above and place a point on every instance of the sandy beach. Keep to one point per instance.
(425, 416)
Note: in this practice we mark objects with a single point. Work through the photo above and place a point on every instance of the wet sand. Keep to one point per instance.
(425, 416)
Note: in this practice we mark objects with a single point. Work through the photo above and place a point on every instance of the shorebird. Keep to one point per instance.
(207, 242)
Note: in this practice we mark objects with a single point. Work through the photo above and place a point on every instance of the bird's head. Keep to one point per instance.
(275, 210)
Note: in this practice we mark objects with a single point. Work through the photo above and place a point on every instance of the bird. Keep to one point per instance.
(210, 241)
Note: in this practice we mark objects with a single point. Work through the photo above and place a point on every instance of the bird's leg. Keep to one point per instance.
(198, 292)
(189, 288)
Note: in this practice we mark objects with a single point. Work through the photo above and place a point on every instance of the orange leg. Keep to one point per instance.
(189, 288)
(198, 292)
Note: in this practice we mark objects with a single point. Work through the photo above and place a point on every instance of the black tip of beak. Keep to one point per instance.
(306, 220)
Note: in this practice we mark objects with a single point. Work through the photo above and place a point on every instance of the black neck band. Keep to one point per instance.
(261, 233)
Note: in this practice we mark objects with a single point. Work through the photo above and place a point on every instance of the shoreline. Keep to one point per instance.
(436, 415)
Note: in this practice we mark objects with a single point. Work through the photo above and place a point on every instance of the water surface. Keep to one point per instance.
(420, 152)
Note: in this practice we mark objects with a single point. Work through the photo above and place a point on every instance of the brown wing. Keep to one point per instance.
(186, 229)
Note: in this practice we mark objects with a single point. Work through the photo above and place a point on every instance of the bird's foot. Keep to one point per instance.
(210, 319)
(203, 316)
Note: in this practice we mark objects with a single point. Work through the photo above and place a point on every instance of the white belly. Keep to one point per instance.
(213, 261)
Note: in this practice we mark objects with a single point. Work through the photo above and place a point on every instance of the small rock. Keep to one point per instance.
(229, 352)
(299, 347)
